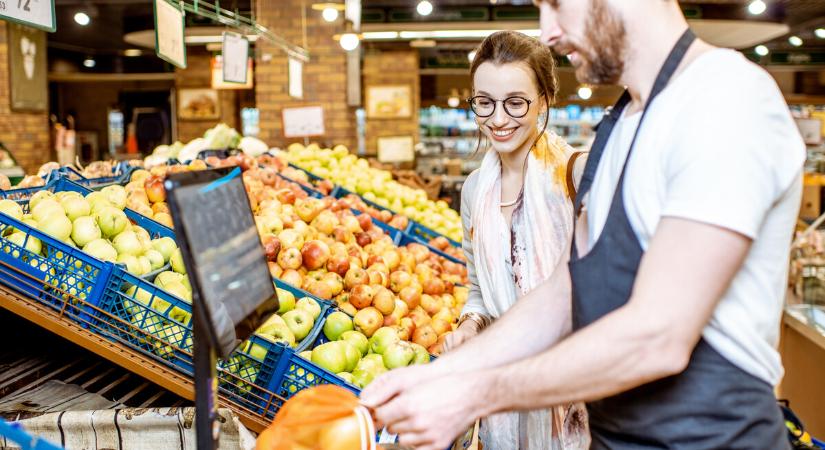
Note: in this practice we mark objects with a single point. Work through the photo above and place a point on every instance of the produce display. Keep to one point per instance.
(220, 137)
(376, 185)
(291, 325)
(146, 195)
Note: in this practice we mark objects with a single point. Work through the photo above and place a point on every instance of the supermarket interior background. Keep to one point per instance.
(366, 99)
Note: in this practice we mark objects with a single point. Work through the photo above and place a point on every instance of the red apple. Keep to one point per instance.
(368, 321)
(420, 252)
(341, 234)
(411, 296)
(363, 239)
(420, 317)
(399, 222)
(325, 222)
(365, 222)
(441, 243)
(351, 224)
(349, 309)
(285, 196)
(338, 264)
(292, 277)
(320, 289)
(399, 280)
(315, 254)
(290, 258)
(441, 326)
(425, 336)
(374, 259)
(378, 278)
(385, 216)
(355, 276)
(406, 329)
(361, 296)
(307, 209)
(392, 258)
(334, 281)
(272, 246)
(274, 269)
(384, 301)
(431, 304)
(401, 308)
(434, 286)
(154, 189)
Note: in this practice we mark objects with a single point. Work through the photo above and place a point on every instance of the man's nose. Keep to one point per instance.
(548, 23)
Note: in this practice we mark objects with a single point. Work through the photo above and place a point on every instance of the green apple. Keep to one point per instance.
(146, 266)
(358, 339)
(143, 237)
(178, 290)
(382, 339)
(111, 221)
(11, 209)
(374, 358)
(126, 243)
(299, 322)
(399, 354)
(273, 321)
(167, 277)
(336, 324)
(85, 230)
(352, 354)
(38, 197)
(165, 246)
(307, 355)
(286, 301)
(310, 305)
(136, 295)
(155, 259)
(101, 249)
(346, 376)
(282, 334)
(133, 266)
(46, 209)
(75, 206)
(116, 195)
(56, 225)
(330, 356)
(422, 356)
(258, 352)
(177, 262)
(32, 244)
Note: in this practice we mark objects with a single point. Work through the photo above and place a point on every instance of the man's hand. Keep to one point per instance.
(425, 413)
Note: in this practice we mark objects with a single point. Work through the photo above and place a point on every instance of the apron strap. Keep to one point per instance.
(571, 183)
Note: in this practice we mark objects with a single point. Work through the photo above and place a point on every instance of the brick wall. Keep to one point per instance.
(25, 134)
(198, 74)
(392, 67)
(324, 77)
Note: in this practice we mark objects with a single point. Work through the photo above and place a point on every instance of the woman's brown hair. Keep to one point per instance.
(506, 47)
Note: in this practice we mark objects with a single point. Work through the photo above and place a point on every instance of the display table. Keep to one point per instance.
(802, 345)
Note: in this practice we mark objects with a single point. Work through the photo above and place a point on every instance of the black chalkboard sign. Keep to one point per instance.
(222, 253)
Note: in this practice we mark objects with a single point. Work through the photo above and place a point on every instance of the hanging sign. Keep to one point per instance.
(34, 13)
(169, 33)
(218, 82)
(303, 122)
(235, 54)
(296, 82)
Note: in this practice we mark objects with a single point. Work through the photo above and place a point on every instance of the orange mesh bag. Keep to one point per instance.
(324, 417)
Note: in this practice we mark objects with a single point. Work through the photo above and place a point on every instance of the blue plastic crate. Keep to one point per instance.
(57, 275)
(426, 234)
(120, 176)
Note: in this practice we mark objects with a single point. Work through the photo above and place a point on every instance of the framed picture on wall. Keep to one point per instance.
(194, 104)
(389, 102)
(27, 64)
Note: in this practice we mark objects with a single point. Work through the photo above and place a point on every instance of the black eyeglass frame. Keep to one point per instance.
(503, 104)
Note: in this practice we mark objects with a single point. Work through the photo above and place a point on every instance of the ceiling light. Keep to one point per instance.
(329, 14)
(349, 41)
(453, 102)
(472, 55)
(585, 92)
(380, 35)
(796, 41)
(757, 7)
(820, 33)
(761, 50)
(89, 62)
(424, 8)
(132, 52)
(82, 19)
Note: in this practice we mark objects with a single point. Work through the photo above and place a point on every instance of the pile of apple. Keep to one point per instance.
(293, 322)
(377, 186)
(146, 195)
(357, 359)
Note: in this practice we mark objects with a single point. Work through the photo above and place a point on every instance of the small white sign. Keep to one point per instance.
(296, 81)
(35, 13)
(169, 33)
(304, 121)
(235, 53)
(811, 130)
(395, 149)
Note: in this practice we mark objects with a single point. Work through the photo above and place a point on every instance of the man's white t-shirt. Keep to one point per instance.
(717, 146)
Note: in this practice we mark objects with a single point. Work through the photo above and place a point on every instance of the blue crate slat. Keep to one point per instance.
(416, 229)
(14, 432)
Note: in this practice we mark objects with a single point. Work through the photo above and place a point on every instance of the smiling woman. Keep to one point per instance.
(517, 215)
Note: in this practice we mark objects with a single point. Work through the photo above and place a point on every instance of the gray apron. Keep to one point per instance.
(713, 404)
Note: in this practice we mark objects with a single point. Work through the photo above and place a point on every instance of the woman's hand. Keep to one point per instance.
(461, 334)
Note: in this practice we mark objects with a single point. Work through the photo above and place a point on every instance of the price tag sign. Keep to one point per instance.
(169, 33)
(235, 53)
(303, 122)
(34, 13)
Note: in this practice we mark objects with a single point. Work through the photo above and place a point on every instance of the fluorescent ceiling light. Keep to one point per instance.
(761, 50)
(370, 35)
(757, 7)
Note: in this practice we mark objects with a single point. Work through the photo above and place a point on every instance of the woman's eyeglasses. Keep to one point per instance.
(515, 107)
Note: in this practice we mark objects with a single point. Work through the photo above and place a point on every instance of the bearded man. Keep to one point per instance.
(676, 278)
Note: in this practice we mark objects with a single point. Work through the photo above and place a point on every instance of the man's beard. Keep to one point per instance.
(602, 62)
